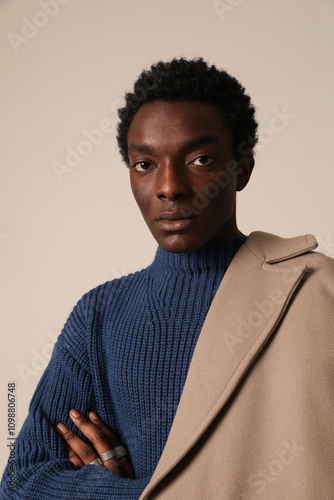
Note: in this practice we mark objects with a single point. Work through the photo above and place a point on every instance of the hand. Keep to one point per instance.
(102, 439)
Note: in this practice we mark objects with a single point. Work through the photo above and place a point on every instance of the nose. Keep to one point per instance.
(171, 183)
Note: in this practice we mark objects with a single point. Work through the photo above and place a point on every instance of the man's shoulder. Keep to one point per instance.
(108, 297)
(117, 288)
(272, 249)
(293, 256)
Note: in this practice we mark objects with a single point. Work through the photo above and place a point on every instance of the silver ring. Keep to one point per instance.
(97, 461)
(116, 453)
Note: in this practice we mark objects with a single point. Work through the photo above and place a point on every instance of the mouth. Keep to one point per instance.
(175, 221)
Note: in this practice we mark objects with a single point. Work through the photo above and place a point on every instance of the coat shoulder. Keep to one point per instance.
(271, 248)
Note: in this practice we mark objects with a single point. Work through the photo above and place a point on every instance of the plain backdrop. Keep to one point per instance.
(65, 65)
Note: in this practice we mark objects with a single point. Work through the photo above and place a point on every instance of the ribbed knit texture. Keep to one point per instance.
(124, 352)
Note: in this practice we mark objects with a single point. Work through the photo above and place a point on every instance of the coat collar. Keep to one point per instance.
(271, 248)
(246, 309)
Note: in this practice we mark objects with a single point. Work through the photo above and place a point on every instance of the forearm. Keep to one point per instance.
(59, 481)
(42, 468)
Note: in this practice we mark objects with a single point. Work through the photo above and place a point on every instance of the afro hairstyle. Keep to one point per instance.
(192, 80)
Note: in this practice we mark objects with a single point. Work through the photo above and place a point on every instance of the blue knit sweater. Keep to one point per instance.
(124, 352)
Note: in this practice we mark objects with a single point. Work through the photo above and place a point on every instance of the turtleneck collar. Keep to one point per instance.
(210, 257)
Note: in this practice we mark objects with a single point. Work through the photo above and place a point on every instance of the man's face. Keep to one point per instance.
(183, 173)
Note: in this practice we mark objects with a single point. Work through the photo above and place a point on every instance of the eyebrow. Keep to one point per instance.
(192, 143)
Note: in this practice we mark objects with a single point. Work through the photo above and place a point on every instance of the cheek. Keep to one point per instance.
(217, 185)
(220, 201)
(142, 196)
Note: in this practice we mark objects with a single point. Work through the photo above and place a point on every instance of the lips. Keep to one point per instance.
(175, 216)
(175, 221)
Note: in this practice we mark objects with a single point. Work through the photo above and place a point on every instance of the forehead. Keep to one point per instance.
(160, 123)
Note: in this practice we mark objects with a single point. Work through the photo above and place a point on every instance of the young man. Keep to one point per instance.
(211, 369)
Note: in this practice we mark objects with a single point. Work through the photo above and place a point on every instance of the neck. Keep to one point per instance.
(213, 256)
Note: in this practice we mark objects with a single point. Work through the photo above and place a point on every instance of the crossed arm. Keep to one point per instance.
(44, 468)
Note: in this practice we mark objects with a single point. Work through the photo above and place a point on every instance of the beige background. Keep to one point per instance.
(61, 236)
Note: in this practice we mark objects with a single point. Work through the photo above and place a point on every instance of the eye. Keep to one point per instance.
(142, 166)
(202, 160)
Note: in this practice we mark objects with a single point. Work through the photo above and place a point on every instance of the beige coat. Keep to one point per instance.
(256, 416)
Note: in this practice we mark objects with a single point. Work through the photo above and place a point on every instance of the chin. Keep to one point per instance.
(180, 243)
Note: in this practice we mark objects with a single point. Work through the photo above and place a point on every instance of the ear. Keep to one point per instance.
(246, 164)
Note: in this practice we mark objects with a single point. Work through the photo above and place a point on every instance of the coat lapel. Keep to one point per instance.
(248, 305)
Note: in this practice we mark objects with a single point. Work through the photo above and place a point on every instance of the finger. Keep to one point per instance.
(74, 458)
(81, 449)
(101, 437)
(95, 419)
(103, 440)
(123, 463)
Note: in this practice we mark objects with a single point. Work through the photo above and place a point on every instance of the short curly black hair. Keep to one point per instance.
(192, 80)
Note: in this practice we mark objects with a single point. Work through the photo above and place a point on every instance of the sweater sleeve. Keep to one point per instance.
(42, 469)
